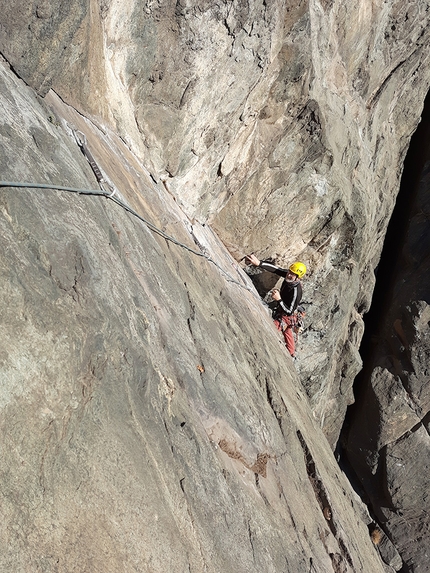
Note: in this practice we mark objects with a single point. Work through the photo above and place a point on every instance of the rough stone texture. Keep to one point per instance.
(389, 443)
(325, 191)
(35, 37)
(284, 124)
(144, 426)
(389, 554)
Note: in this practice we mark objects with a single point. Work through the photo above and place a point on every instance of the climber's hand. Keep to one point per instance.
(276, 294)
(252, 259)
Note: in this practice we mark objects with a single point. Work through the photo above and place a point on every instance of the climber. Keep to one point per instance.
(287, 298)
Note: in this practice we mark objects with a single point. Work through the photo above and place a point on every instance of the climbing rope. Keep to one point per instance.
(113, 197)
(81, 140)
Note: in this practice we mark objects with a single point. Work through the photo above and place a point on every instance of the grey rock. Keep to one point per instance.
(144, 424)
(390, 450)
(276, 124)
(389, 554)
(284, 128)
(37, 38)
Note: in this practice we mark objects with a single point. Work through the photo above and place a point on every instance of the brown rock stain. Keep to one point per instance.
(258, 467)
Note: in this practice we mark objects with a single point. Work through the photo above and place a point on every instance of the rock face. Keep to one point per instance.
(145, 426)
(388, 443)
(283, 126)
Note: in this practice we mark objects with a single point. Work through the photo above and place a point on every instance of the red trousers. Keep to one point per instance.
(285, 325)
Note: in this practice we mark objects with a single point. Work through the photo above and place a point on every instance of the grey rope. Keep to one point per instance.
(115, 199)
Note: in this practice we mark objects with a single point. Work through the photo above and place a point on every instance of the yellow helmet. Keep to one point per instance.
(298, 269)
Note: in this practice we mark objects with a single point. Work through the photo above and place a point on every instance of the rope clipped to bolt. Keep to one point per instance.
(113, 196)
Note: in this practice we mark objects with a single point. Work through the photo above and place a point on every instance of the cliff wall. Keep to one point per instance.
(281, 126)
(145, 426)
(284, 126)
(387, 431)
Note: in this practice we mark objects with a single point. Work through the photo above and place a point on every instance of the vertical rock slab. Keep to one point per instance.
(326, 191)
(388, 443)
(282, 124)
(143, 424)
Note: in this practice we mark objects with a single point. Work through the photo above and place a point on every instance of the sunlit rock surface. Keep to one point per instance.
(282, 126)
(147, 423)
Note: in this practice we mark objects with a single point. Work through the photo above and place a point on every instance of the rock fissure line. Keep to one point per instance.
(394, 351)
(325, 506)
(383, 84)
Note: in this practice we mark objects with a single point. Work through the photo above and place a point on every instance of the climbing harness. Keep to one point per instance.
(294, 321)
(300, 322)
(300, 318)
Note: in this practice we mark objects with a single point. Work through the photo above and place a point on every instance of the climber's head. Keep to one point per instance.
(299, 269)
